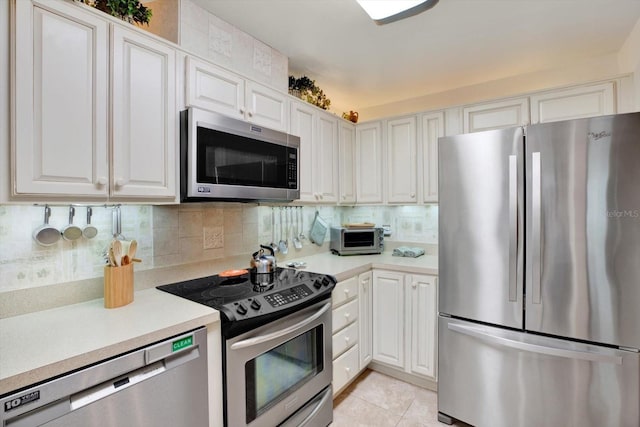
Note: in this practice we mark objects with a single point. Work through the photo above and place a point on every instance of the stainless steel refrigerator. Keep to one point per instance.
(539, 265)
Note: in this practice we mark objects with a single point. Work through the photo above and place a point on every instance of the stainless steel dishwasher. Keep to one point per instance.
(164, 384)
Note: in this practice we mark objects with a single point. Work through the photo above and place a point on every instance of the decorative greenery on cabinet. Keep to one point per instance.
(132, 11)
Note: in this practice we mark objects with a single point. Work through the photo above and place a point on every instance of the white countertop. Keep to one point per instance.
(44, 344)
(343, 267)
(37, 346)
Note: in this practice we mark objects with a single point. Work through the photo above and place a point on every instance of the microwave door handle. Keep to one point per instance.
(274, 335)
(215, 169)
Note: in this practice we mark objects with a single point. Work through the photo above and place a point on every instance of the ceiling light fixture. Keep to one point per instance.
(387, 11)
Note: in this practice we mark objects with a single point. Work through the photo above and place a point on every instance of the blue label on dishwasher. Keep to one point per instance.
(21, 400)
(182, 343)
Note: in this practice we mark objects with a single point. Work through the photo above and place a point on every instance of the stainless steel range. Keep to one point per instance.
(276, 333)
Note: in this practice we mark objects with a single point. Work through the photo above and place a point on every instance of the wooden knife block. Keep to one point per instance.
(118, 286)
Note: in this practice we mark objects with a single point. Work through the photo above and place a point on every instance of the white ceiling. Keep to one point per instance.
(457, 43)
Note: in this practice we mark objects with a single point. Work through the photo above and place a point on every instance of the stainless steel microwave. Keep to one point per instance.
(228, 159)
(356, 241)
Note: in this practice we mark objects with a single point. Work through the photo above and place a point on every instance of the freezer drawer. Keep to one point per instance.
(492, 377)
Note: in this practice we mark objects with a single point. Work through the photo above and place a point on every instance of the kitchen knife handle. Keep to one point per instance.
(513, 228)
(536, 227)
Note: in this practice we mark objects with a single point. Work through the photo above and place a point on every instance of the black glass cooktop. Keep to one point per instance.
(251, 296)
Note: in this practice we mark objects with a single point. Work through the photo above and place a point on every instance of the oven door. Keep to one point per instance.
(275, 370)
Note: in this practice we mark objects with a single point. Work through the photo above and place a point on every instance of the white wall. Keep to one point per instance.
(593, 69)
(629, 58)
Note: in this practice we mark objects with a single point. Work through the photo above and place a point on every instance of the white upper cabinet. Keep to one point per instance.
(318, 132)
(303, 125)
(574, 103)
(347, 157)
(401, 160)
(212, 88)
(266, 107)
(74, 138)
(432, 129)
(496, 115)
(369, 163)
(60, 103)
(144, 116)
(326, 152)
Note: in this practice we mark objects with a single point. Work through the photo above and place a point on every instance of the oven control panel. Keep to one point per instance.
(272, 302)
(288, 296)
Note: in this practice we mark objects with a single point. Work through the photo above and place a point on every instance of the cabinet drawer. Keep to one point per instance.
(344, 315)
(345, 368)
(345, 339)
(344, 291)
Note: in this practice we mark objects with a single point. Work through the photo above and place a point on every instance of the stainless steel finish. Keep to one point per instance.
(342, 245)
(476, 226)
(315, 413)
(195, 118)
(484, 334)
(46, 235)
(536, 200)
(264, 263)
(590, 229)
(489, 378)
(127, 390)
(263, 339)
(513, 227)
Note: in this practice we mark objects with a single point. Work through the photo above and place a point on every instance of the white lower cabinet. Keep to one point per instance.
(404, 322)
(365, 318)
(346, 333)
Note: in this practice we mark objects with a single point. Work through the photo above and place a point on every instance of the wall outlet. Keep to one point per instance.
(387, 230)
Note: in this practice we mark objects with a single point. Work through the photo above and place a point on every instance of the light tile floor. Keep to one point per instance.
(377, 400)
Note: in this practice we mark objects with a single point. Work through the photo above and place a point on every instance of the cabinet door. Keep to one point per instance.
(144, 117)
(346, 173)
(365, 298)
(574, 103)
(369, 163)
(266, 107)
(303, 125)
(401, 160)
(432, 129)
(326, 153)
(388, 318)
(214, 89)
(60, 116)
(496, 115)
(422, 298)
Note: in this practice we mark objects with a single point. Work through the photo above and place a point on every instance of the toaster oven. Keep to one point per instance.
(356, 241)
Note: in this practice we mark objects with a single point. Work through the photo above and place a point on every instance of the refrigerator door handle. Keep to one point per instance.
(534, 348)
(536, 227)
(513, 227)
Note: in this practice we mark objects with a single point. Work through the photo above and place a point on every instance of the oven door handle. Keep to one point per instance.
(274, 335)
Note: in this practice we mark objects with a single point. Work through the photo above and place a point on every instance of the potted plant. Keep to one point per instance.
(131, 11)
(306, 89)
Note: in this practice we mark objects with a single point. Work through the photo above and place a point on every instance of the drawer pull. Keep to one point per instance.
(346, 291)
(346, 316)
(346, 339)
(347, 369)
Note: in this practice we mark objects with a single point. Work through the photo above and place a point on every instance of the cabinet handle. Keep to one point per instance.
(346, 316)
(348, 370)
(346, 292)
(102, 180)
(120, 182)
(344, 197)
(346, 339)
(242, 111)
(413, 195)
(250, 114)
(414, 285)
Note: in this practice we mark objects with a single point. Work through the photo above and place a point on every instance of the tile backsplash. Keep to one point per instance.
(179, 234)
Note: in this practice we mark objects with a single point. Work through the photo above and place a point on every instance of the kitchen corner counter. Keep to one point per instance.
(37, 346)
(344, 267)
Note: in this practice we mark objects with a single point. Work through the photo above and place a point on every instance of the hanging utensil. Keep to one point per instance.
(284, 247)
(46, 235)
(70, 231)
(318, 230)
(302, 236)
(89, 230)
(296, 234)
(273, 243)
